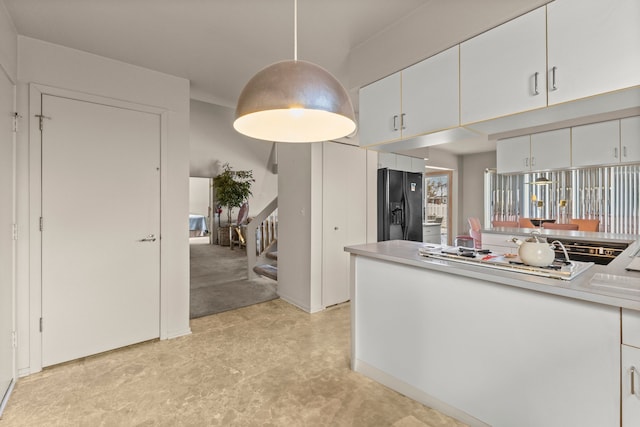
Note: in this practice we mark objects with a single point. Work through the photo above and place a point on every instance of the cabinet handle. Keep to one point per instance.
(395, 122)
(402, 121)
(533, 161)
(535, 84)
(553, 78)
(624, 151)
(526, 161)
(615, 153)
(633, 380)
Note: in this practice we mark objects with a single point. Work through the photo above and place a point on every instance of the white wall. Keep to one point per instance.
(61, 67)
(472, 185)
(214, 141)
(8, 44)
(295, 225)
(199, 189)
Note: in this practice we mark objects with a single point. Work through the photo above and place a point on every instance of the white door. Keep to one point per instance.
(101, 222)
(344, 201)
(6, 236)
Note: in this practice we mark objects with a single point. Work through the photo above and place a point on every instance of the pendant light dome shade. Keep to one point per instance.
(294, 101)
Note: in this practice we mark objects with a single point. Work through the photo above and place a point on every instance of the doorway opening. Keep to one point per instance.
(437, 202)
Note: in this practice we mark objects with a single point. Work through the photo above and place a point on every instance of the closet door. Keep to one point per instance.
(7, 183)
(344, 195)
(100, 228)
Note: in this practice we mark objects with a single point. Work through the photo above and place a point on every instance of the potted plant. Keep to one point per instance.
(233, 188)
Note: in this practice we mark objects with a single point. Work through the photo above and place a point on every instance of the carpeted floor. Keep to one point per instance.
(219, 281)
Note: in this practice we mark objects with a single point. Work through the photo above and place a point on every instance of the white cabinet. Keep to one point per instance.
(630, 381)
(380, 111)
(537, 152)
(400, 162)
(594, 47)
(503, 71)
(596, 144)
(420, 99)
(630, 140)
(551, 150)
(344, 198)
(430, 94)
(631, 327)
(513, 154)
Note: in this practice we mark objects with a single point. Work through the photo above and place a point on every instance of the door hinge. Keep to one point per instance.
(14, 339)
(41, 117)
(41, 223)
(15, 231)
(16, 116)
(41, 324)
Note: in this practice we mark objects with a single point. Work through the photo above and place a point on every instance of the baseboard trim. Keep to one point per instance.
(178, 334)
(415, 393)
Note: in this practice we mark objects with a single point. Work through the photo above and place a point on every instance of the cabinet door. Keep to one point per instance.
(595, 144)
(513, 154)
(403, 163)
(386, 160)
(344, 198)
(551, 150)
(594, 45)
(630, 386)
(630, 139)
(380, 111)
(499, 69)
(430, 94)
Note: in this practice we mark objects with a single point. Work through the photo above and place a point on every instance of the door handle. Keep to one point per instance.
(149, 238)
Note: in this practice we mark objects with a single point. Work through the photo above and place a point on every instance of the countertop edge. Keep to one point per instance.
(406, 252)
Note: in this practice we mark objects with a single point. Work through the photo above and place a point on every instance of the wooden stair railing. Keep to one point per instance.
(262, 231)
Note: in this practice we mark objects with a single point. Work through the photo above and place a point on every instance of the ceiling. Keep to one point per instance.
(220, 44)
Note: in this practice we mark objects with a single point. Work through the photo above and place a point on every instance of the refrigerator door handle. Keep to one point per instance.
(405, 208)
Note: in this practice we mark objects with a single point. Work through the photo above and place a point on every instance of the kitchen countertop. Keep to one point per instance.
(564, 234)
(604, 284)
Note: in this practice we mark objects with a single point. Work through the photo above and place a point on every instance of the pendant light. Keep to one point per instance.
(294, 101)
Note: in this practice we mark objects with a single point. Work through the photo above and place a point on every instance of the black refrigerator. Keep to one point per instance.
(399, 205)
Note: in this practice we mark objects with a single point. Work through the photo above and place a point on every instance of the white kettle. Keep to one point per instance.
(535, 251)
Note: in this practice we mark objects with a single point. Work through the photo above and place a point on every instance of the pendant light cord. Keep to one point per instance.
(295, 30)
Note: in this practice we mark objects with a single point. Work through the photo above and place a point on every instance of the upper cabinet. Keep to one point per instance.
(594, 47)
(380, 110)
(612, 142)
(537, 152)
(630, 139)
(503, 71)
(420, 99)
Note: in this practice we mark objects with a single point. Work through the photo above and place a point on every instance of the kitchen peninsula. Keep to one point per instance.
(494, 347)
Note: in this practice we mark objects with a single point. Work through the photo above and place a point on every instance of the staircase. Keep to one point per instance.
(262, 243)
(270, 269)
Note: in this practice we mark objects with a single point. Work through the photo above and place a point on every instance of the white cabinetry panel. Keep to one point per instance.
(499, 69)
(380, 111)
(430, 94)
(551, 150)
(631, 327)
(513, 154)
(630, 139)
(594, 46)
(596, 144)
(630, 378)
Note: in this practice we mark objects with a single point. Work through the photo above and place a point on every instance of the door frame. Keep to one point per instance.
(35, 206)
(5, 394)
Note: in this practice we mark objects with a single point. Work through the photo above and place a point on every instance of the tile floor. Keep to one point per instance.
(269, 364)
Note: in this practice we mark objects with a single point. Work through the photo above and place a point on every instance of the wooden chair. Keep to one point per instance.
(525, 223)
(586, 224)
(554, 226)
(504, 224)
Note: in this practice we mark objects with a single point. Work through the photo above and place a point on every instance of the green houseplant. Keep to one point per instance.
(233, 188)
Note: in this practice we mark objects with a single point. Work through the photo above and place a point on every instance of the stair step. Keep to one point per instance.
(266, 270)
(272, 255)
